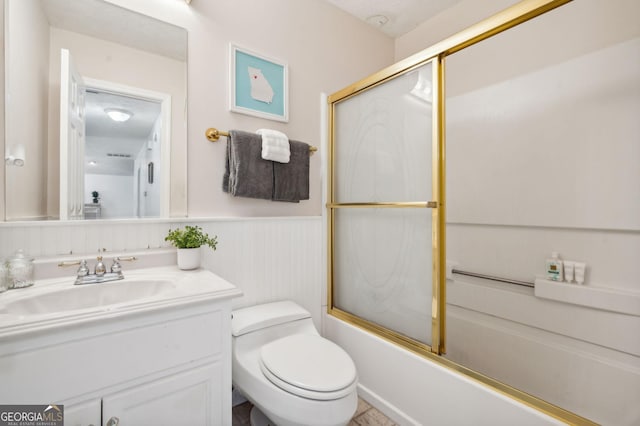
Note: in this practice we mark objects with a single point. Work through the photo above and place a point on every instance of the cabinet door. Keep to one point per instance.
(193, 397)
(85, 413)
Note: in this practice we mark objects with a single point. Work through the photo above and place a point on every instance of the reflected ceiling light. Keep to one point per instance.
(119, 115)
(93, 163)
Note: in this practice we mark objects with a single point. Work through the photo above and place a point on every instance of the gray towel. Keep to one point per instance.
(291, 180)
(246, 173)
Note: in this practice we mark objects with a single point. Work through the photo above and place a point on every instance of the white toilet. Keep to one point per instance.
(290, 373)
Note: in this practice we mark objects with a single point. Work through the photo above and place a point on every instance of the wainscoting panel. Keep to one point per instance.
(270, 259)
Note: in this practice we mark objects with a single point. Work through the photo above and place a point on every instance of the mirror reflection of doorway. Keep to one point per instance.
(107, 131)
(123, 135)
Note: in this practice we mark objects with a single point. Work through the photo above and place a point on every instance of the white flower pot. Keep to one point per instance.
(189, 258)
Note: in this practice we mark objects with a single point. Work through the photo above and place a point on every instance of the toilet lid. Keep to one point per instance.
(309, 366)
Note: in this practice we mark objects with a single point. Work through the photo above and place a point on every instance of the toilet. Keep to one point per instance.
(291, 374)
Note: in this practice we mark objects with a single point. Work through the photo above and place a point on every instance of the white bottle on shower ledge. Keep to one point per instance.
(554, 268)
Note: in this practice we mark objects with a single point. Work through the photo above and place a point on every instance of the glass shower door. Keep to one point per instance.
(381, 208)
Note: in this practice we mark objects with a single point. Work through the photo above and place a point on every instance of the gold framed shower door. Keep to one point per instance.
(436, 55)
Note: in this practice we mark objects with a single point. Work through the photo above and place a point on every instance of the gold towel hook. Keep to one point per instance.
(214, 134)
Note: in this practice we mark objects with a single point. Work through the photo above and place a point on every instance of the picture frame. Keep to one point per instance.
(259, 85)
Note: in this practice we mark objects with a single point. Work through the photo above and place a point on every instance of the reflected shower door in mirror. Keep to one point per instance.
(131, 64)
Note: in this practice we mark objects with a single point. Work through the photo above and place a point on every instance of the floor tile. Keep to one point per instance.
(372, 417)
(362, 407)
(365, 415)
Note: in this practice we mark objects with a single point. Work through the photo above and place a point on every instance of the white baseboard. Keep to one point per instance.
(385, 407)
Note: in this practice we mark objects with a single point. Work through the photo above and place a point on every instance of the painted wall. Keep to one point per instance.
(116, 194)
(27, 77)
(448, 22)
(326, 50)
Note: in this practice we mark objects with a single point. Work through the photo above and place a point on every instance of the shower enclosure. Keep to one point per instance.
(386, 203)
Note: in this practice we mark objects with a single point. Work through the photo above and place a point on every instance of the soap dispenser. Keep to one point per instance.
(554, 268)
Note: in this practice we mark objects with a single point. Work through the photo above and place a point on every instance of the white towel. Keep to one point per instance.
(275, 145)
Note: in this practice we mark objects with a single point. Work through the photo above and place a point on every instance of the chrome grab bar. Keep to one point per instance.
(493, 278)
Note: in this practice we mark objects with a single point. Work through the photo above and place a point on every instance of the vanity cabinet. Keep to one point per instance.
(86, 413)
(188, 398)
(169, 365)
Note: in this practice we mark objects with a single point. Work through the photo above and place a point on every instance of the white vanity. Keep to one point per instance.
(153, 348)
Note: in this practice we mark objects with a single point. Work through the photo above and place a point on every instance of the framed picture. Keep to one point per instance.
(259, 85)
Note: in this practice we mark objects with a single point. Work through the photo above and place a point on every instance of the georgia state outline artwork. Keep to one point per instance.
(261, 90)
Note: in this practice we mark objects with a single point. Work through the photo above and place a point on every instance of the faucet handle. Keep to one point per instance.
(115, 266)
(83, 270)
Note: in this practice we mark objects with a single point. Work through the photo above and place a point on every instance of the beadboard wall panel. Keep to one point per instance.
(48, 239)
(269, 259)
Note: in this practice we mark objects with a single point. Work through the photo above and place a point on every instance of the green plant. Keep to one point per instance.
(191, 237)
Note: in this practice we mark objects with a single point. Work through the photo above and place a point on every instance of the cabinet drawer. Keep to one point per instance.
(113, 355)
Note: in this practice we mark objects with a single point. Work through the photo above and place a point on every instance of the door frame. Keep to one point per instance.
(165, 133)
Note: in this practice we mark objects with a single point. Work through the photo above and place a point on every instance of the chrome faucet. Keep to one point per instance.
(100, 274)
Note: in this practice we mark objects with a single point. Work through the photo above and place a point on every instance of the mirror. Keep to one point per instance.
(127, 61)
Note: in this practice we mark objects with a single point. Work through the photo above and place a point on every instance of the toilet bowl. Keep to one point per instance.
(288, 371)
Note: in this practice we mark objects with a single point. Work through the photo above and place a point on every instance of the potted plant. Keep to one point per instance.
(188, 242)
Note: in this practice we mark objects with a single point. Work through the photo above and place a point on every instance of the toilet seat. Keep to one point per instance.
(309, 366)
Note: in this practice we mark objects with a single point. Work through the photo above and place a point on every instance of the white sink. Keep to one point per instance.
(57, 302)
(85, 296)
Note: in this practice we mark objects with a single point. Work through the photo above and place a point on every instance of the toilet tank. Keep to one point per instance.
(257, 317)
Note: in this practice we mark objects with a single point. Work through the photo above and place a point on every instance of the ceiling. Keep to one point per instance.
(110, 22)
(401, 16)
(110, 145)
